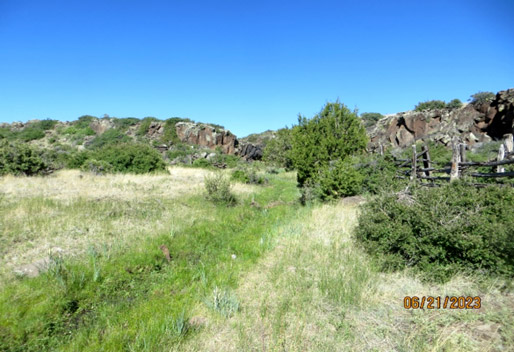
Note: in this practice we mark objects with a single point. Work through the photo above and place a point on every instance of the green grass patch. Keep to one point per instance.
(128, 297)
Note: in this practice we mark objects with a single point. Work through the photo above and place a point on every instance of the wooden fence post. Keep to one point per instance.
(501, 156)
(426, 160)
(414, 157)
(454, 173)
(462, 152)
(509, 143)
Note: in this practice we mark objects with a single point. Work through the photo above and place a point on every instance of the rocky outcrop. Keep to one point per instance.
(250, 151)
(471, 124)
(205, 135)
(101, 125)
(209, 136)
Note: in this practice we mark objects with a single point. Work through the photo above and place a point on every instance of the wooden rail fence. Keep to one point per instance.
(421, 167)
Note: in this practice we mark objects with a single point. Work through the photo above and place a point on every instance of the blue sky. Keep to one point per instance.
(247, 65)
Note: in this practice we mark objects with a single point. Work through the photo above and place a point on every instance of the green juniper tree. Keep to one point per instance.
(320, 147)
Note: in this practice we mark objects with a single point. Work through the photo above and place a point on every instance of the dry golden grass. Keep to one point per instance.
(72, 184)
(69, 210)
(317, 292)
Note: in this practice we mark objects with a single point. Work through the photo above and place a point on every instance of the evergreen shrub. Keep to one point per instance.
(441, 231)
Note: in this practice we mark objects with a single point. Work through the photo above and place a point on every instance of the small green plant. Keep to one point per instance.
(223, 302)
(218, 190)
(430, 105)
(180, 325)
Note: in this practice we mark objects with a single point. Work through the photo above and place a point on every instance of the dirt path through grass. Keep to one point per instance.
(316, 291)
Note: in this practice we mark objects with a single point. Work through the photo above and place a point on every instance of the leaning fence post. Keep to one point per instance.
(454, 174)
(501, 156)
(414, 157)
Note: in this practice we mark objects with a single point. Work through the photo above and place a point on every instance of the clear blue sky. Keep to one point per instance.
(247, 65)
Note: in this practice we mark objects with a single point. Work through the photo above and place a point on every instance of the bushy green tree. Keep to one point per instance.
(278, 149)
(329, 137)
(430, 105)
(482, 97)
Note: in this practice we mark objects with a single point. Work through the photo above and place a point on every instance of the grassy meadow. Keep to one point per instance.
(266, 274)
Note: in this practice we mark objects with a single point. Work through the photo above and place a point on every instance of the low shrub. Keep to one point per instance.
(230, 160)
(84, 122)
(130, 158)
(341, 179)
(454, 104)
(20, 159)
(370, 118)
(109, 137)
(6, 133)
(218, 190)
(30, 133)
(124, 123)
(76, 131)
(378, 173)
(169, 135)
(239, 176)
(248, 176)
(430, 105)
(145, 125)
(203, 163)
(441, 231)
(97, 167)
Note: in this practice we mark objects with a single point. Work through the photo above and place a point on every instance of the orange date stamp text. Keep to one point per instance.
(438, 302)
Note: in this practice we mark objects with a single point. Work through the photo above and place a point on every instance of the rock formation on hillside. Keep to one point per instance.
(472, 123)
(205, 135)
(209, 136)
